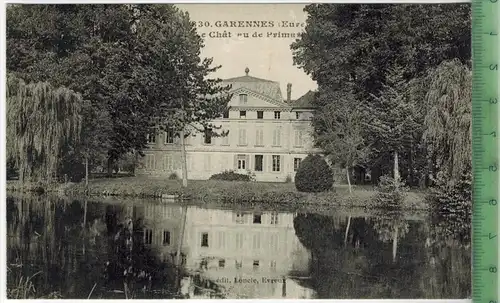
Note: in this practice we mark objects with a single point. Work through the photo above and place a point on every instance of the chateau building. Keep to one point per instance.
(268, 136)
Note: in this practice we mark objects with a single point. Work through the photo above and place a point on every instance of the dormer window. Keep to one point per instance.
(243, 98)
(169, 137)
(151, 137)
(277, 115)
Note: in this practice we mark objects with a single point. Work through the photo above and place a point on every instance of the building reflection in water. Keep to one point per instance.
(245, 254)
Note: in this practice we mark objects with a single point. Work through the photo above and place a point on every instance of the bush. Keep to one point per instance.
(391, 193)
(173, 176)
(314, 175)
(451, 207)
(230, 175)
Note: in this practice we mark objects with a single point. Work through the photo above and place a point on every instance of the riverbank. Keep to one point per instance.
(219, 191)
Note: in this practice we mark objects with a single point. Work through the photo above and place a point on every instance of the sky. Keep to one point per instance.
(268, 57)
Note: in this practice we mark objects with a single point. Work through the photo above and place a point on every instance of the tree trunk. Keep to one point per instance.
(84, 215)
(347, 231)
(183, 160)
(394, 245)
(110, 167)
(410, 161)
(396, 166)
(179, 248)
(348, 179)
(86, 172)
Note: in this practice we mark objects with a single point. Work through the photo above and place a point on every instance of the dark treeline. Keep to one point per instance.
(132, 70)
(394, 87)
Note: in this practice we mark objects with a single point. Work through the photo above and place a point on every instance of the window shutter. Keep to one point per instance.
(247, 159)
(235, 162)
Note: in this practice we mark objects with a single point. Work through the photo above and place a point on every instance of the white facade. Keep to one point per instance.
(268, 137)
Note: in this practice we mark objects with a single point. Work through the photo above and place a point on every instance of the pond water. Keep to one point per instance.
(128, 249)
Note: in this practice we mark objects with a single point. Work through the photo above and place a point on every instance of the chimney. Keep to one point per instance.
(288, 92)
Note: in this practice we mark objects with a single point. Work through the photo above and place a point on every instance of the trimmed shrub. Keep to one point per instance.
(173, 176)
(230, 175)
(314, 175)
(391, 193)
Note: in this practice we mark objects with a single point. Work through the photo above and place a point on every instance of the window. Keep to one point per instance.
(277, 137)
(225, 139)
(225, 114)
(274, 218)
(166, 237)
(243, 114)
(298, 137)
(259, 137)
(276, 163)
(240, 218)
(208, 136)
(273, 242)
(168, 162)
(242, 162)
(255, 264)
(273, 265)
(151, 137)
(296, 163)
(258, 162)
(239, 241)
(222, 263)
(257, 219)
(169, 137)
(204, 240)
(238, 264)
(148, 236)
(297, 115)
(277, 115)
(221, 239)
(260, 114)
(150, 162)
(207, 162)
(242, 137)
(256, 241)
(243, 99)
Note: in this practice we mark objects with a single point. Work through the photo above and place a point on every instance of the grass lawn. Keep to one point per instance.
(222, 191)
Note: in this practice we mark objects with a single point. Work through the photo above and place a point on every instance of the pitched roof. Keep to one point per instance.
(264, 87)
(306, 101)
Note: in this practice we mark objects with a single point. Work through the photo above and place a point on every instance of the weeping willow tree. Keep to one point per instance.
(448, 119)
(43, 126)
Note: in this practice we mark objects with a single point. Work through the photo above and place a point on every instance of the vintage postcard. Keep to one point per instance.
(231, 151)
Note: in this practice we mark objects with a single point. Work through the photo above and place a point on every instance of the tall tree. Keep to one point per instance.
(339, 133)
(43, 122)
(393, 121)
(177, 82)
(86, 48)
(448, 118)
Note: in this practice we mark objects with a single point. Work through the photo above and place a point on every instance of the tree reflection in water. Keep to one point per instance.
(385, 257)
(107, 253)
